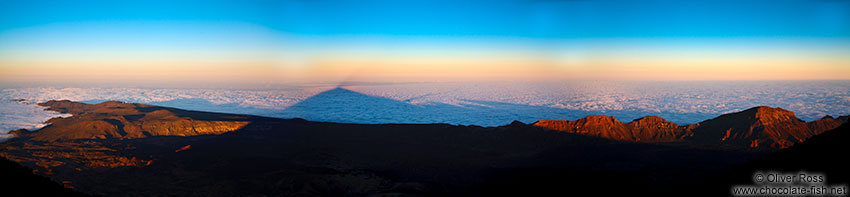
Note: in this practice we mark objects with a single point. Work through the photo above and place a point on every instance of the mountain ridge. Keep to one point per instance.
(760, 127)
(285, 157)
(115, 119)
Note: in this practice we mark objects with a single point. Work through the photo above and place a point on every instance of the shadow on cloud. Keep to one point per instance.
(347, 106)
(343, 105)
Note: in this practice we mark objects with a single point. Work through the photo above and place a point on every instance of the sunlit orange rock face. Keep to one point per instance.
(288, 157)
(81, 142)
(120, 120)
(646, 129)
(758, 128)
(84, 154)
(187, 147)
(762, 127)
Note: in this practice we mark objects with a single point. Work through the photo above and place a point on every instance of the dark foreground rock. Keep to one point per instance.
(294, 157)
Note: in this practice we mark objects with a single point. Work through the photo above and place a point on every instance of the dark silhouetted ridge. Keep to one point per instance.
(116, 149)
(755, 128)
(820, 154)
(17, 180)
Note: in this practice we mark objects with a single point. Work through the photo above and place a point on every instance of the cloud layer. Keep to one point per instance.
(487, 104)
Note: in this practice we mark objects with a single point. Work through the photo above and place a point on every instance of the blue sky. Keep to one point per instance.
(313, 31)
(532, 19)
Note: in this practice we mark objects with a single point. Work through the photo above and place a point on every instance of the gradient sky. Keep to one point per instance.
(326, 41)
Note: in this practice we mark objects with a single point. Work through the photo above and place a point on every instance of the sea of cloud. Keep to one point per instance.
(486, 104)
(21, 114)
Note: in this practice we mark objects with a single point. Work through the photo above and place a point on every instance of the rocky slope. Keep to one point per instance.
(820, 154)
(756, 128)
(761, 127)
(646, 129)
(295, 157)
(120, 120)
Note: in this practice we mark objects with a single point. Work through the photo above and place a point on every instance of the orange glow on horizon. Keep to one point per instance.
(375, 68)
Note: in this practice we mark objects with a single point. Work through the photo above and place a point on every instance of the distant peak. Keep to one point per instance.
(340, 90)
(600, 118)
(650, 119)
(58, 101)
(517, 123)
(587, 119)
(766, 112)
(766, 109)
(760, 107)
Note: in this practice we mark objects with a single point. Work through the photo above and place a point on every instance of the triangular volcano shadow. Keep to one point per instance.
(342, 105)
(346, 106)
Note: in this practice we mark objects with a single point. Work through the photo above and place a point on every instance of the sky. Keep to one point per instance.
(178, 42)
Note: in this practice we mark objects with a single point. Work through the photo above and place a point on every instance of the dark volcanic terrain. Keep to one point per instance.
(126, 149)
(17, 180)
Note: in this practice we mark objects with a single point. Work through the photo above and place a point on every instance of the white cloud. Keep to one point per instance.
(488, 104)
(18, 114)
